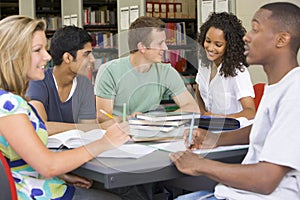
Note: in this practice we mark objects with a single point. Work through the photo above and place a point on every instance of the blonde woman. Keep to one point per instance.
(23, 134)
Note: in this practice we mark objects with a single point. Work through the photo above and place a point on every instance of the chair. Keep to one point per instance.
(7, 184)
(258, 91)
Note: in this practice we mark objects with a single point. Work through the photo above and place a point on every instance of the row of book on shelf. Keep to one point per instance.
(171, 8)
(176, 35)
(53, 22)
(104, 40)
(101, 16)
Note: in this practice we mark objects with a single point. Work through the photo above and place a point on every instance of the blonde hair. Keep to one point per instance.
(16, 33)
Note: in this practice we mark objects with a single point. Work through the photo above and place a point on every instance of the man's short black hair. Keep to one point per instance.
(68, 39)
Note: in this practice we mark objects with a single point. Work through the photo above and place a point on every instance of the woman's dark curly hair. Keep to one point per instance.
(234, 32)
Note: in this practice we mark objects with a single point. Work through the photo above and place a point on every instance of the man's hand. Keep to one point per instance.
(201, 139)
(187, 162)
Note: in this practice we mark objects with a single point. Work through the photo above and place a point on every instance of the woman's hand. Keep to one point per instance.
(116, 135)
(76, 180)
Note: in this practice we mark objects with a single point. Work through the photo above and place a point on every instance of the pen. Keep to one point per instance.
(124, 112)
(106, 114)
(191, 130)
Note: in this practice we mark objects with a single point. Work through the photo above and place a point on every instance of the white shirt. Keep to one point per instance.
(275, 138)
(221, 95)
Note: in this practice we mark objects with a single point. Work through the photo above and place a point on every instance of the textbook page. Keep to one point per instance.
(128, 151)
(74, 138)
(179, 146)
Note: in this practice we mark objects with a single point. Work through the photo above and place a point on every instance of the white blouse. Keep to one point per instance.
(221, 95)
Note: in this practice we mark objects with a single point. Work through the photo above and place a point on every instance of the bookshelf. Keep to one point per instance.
(50, 10)
(8, 7)
(100, 19)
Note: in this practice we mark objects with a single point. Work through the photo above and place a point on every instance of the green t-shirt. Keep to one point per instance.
(118, 80)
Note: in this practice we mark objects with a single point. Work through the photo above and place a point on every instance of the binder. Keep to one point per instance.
(212, 123)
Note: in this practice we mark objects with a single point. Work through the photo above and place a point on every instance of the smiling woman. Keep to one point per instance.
(223, 81)
(14, 70)
(35, 168)
(39, 57)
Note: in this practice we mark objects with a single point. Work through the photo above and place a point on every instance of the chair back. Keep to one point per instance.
(7, 184)
(258, 91)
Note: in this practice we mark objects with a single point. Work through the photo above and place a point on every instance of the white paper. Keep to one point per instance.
(134, 13)
(128, 151)
(67, 20)
(179, 146)
(74, 20)
(221, 6)
(244, 122)
(207, 6)
(124, 18)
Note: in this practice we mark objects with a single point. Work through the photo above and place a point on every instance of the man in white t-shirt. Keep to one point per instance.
(271, 168)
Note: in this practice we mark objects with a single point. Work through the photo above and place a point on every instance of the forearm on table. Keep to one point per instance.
(57, 127)
(240, 136)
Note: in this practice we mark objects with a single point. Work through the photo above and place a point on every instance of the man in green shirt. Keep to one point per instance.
(140, 80)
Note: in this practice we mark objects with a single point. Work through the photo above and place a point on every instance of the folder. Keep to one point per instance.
(218, 123)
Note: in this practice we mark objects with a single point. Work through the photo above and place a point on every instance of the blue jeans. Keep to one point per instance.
(198, 196)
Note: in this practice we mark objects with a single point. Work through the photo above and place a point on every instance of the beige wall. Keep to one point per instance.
(245, 10)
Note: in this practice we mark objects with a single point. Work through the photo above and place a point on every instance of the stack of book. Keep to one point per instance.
(159, 125)
(171, 125)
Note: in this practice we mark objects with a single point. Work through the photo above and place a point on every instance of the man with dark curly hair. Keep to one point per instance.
(271, 168)
(224, 84)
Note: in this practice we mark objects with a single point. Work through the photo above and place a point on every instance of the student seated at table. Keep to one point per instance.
(140, 80)
(271, 168)
(38, 172)
(224, 86)
(65, 99)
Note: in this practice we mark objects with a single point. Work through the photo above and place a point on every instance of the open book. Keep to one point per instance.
(73, 138)
(76, 138)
